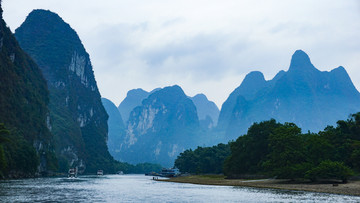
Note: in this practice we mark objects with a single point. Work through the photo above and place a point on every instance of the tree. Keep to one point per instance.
(330, 170)
(203, 159)
(286, 158)
(248, 152)
(345, 139)
(281, 150)
(317, 148)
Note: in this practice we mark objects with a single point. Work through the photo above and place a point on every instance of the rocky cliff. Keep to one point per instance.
(78, 118)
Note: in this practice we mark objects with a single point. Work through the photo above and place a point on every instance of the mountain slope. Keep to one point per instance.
(79, 121)
(304, 95)
(253, 82)
(27, 147)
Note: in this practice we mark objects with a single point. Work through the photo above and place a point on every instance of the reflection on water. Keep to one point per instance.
(139, 188)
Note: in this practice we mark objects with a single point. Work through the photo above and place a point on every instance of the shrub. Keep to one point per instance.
(329, 170)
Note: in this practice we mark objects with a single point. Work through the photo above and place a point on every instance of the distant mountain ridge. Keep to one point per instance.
(161, 125)
(304, 95)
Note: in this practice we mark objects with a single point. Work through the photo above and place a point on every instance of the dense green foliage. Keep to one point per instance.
(203, 159)
(3, 139)
(329, 170)
(26, 142)
(21, 158)
(286, 151)
(281, 150)
(251, 149)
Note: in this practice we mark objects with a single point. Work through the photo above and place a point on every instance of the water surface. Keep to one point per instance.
(140, 188)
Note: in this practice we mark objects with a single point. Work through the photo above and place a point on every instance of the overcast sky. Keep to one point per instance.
(205, 46)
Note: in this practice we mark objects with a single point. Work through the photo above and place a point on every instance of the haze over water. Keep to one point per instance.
(140, 188)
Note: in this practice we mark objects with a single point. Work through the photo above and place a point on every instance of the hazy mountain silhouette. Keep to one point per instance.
(116, 128)
(310, 98)
(207, 111)
(133, 99)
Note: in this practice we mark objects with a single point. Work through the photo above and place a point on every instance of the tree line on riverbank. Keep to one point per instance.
(203, 159)
(281, 150)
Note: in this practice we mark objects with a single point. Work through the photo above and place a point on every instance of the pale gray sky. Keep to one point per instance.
(205, 46)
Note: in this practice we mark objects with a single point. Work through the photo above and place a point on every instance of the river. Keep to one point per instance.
(140, 188)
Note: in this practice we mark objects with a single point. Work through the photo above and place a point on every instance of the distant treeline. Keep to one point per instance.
(281, 150)
(140, 168)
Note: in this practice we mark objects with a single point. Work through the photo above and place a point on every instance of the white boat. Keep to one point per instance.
(72, 173)
(100, 172)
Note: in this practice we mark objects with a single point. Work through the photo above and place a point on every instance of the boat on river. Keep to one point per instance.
(100, 172)
(170, 172)
(72, 173)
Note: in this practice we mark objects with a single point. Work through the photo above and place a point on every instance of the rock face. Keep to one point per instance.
(116, 128)
(163, 126)
(79, 120)
(207, 111)
(23, 110)
(303, 95)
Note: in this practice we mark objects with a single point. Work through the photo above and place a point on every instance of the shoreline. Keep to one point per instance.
(350, 188)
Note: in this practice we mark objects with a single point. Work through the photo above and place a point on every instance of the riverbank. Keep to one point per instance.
(350, 188)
